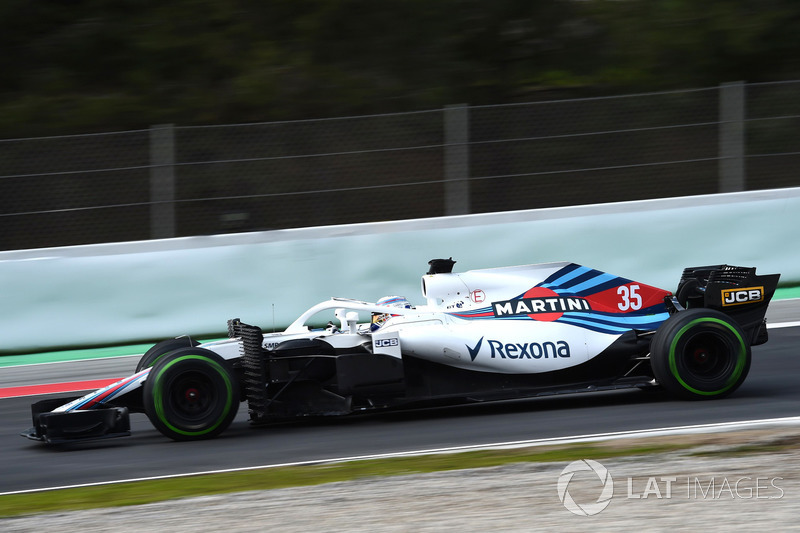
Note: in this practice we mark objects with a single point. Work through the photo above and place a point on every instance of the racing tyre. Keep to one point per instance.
(700, 354)
(163, 347)
(191, 394)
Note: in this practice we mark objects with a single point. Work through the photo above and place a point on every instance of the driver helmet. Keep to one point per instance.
(379, 319)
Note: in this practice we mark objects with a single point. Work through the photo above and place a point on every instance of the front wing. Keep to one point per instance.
(56, 427)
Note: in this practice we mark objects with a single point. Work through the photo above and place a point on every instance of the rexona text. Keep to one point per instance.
(532, 350)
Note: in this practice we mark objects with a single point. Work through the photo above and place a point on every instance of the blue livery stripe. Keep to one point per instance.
(605, 328)
(561, 277)
(616, 282)
(592, 283)
(595, 327)
(631, 322)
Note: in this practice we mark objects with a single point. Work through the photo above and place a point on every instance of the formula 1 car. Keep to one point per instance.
(492, 334)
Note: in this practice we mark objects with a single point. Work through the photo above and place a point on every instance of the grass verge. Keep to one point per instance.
(142, 492)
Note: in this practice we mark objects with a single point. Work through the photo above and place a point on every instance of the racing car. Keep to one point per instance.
(481, 335)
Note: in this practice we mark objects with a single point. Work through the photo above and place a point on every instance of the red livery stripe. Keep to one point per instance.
(54, 388)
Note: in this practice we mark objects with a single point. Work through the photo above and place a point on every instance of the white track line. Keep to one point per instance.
(783, 325)
(597, 437)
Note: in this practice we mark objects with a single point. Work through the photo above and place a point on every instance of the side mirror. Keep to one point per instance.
(348, 320)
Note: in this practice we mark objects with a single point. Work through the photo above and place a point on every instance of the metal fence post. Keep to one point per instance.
(456, 159)
(731, 137)
(162, 181)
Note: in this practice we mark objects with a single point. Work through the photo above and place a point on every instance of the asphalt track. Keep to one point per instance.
(771, 391)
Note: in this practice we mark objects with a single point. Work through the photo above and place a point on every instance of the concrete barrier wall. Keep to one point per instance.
(116, 293)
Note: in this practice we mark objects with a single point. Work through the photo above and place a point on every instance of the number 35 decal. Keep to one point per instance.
(631, 299)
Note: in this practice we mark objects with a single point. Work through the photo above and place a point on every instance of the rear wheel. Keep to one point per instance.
(170, 345)
(191, 394)
(700, 354)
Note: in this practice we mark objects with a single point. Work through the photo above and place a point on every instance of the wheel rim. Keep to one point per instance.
(193, 402)
(710, 360)
(192, 396)
(704, 359)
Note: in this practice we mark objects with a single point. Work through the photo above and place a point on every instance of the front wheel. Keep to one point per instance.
(191, 394)
(700, 354)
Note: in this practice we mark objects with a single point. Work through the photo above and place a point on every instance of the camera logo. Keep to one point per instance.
(591, 508)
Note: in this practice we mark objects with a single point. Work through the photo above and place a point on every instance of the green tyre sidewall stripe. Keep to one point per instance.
(158, 399)
(737, 371)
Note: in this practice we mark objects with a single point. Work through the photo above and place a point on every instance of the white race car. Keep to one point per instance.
(491, 334)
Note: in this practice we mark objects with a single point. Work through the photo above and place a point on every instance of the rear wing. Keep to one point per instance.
(736, 291)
